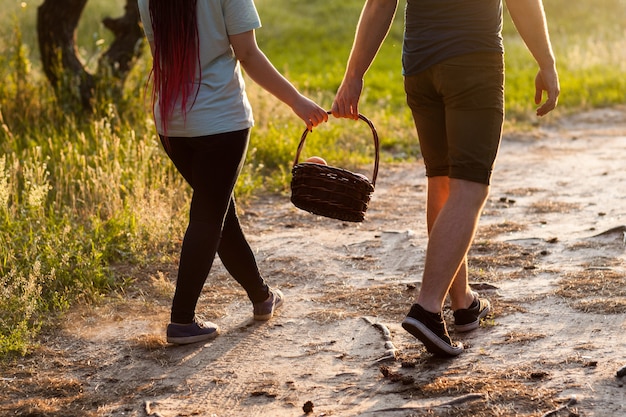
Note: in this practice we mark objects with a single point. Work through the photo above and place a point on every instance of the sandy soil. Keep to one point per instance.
(550, 254)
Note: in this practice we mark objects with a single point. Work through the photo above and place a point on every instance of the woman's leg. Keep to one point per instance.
(211, 165)
(238, 258)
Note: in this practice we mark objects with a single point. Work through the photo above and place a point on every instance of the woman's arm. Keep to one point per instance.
(259, 68)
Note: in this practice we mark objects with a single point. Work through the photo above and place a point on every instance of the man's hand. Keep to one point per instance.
(346, 102)
(548, 81)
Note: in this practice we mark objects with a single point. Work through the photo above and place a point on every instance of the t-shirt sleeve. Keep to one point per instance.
(240, 16)
(144, 13)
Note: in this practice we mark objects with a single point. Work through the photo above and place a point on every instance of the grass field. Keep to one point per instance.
(74, 191)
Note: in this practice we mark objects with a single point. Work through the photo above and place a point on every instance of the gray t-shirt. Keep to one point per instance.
(221, 105)
(436, 30)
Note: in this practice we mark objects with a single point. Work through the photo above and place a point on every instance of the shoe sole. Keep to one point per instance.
(434, 344)
(266, 317)
(462, 328)
(185, 340)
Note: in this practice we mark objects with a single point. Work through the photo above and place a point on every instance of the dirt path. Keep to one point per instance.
(550, 254)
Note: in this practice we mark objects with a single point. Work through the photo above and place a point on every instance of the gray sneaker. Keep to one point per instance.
(198, 331)
(265, 309)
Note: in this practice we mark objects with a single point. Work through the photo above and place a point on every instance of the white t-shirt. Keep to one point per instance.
(221, 105)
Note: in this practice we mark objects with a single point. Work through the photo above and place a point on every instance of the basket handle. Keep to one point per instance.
(376, 146)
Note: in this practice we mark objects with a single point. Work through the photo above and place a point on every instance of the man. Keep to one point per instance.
(454, 80)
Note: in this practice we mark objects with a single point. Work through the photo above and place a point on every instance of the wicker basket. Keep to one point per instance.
(330, 191)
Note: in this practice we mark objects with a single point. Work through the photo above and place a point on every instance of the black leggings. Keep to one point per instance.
(211, 165)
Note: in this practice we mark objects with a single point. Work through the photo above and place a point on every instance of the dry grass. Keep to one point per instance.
(602, 262)
(545, 207)
(149, 342)
(595, 291)
(44, 395)
(581, 245)
(523, 192)
(493, 230)
(386, 301)
(327, 316)
(509, 392)
(520, 338)
(601, 306)
(503, 307)
(55, 383)
(490, 255)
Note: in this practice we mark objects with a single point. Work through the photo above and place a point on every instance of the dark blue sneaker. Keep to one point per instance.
(198, 331)
(265, 309)
(430, 329)
(467, 319)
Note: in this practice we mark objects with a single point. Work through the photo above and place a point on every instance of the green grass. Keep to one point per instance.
(79, 194)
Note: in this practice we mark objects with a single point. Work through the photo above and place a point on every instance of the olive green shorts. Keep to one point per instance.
(458, 109)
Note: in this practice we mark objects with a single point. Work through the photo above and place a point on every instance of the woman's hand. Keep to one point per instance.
(310, 112)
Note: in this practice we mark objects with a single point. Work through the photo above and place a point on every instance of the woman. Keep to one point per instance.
(203, 118)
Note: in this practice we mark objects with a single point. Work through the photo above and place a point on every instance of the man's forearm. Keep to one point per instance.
(530, 20)
(374, 23)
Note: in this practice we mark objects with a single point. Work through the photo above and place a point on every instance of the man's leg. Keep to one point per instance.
(450, 238)
(460, 293)
(458, 107)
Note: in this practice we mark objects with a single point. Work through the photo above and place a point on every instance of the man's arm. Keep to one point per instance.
(530, 20)
(372, 29)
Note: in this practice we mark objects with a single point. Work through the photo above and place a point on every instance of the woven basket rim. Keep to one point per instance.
(376, 147)
(308, 169)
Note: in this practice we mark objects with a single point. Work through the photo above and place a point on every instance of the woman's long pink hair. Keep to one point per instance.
(176, 59)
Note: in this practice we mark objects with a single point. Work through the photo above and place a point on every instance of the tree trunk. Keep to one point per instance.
(56, 30)
(126, 45)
